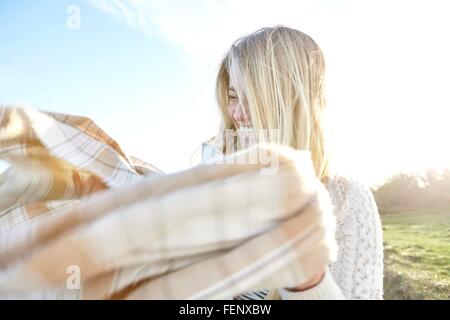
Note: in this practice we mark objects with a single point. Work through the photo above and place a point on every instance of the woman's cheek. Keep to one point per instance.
(231, 109)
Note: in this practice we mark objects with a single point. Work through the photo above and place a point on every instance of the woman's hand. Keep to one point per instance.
(315, 280)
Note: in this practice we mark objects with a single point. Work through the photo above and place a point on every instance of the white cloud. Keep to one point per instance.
(205, 29)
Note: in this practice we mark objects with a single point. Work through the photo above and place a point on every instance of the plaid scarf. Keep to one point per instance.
(79, 219)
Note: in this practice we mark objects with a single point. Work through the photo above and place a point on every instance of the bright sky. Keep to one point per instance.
(144, 71)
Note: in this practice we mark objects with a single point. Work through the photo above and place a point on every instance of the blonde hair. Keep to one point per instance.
(281, 80)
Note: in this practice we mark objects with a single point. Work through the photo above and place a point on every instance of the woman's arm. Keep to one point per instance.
(358, 271)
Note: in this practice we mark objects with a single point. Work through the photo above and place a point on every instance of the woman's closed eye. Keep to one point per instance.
(233, 96)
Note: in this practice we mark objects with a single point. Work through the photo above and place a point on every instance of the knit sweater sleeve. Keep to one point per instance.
(358, 271)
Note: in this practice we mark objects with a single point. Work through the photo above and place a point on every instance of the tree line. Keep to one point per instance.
(406, 191)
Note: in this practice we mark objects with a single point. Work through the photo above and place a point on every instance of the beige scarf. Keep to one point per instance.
(80, 219)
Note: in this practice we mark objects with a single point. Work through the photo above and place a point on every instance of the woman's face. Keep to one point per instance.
(237, 109)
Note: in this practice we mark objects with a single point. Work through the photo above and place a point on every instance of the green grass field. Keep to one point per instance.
(417, 255)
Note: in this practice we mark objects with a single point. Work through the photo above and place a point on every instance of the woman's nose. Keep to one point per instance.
(239, 114)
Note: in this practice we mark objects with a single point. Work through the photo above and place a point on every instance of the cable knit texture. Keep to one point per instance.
(358, 271)
(359, 267)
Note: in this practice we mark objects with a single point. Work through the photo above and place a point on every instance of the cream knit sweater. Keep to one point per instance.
(358, 271)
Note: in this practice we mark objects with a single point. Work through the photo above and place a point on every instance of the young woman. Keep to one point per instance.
(271, 84)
